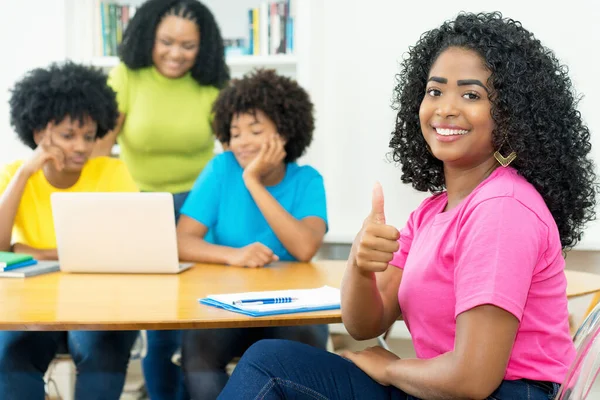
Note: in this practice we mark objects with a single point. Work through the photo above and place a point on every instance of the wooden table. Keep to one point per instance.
(63, 301)
(67, 301)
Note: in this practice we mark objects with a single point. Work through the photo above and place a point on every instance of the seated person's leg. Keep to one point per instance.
(206, 353)
(24, 358)
(313, 335)
(101, 359)
(278, 369)
(164, 380)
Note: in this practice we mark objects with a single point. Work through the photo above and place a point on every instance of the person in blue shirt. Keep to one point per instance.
(252, 205)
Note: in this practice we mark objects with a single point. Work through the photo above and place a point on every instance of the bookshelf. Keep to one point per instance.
(81, 25)
(84, 42)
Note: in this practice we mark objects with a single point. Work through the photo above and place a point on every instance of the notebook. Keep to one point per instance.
(278, 301)
(8, 259)
(42, 267)
(19, 265)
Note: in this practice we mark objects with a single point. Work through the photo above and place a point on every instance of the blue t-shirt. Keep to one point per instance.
(220, 201)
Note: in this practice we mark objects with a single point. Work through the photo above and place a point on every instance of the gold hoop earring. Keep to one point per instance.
(505, 161)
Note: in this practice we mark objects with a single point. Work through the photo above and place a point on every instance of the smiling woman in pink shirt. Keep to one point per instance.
(488, 124)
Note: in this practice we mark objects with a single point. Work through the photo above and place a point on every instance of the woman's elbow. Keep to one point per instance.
(310, 249)
(305, 257)
(306, 253)
(475, 393)
(477, 386)
(182, 247)
(359, 329)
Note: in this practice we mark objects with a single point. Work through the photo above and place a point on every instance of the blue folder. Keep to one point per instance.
(304, 300)
(218, 304)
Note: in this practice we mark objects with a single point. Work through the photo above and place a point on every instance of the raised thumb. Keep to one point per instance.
(377, 209)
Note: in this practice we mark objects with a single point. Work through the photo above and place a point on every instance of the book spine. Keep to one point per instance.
(119, 25)
(105, 29)
(250, 32)
(282, 19)
(112, 18)
(264, 28)
(255, 31)
(289, 26)
(274, 28)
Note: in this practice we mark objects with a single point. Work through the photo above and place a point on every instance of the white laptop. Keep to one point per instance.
(116, 233)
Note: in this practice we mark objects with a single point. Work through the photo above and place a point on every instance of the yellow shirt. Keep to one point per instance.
(167, 138)
(34, 225)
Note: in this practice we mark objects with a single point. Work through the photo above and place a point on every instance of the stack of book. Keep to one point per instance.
(11, 261)
(110, 22)
(14, 265)
(271, 28)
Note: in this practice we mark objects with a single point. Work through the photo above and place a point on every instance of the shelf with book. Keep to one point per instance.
(298, 60)
(278, 34)
(263, 28)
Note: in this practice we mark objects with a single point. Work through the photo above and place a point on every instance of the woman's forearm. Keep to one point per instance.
(195, 249)
(299, 239)
(9, 205)
(439, 378)
(362, 306)
(38, 254)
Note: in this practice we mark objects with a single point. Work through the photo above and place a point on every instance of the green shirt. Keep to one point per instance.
(166, 139)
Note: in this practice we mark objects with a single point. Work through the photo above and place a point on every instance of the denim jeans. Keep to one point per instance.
(206, 352)
(101, 359)
(280, 369)
(164, 380)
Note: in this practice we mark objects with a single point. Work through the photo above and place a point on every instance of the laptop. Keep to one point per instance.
(116, 233)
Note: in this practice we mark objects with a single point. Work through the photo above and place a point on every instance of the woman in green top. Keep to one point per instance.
(172, 67)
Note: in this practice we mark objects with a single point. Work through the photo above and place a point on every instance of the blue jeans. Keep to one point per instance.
(280, 369)
(164, 380)
(206, 353)
(101, 359)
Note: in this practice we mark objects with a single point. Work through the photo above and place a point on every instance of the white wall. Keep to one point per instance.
(355, 47)
(364, 43)
(32, 34)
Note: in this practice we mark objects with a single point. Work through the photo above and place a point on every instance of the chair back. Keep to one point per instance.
(585, 368)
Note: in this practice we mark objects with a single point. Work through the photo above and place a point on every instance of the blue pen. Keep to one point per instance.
(272, 300)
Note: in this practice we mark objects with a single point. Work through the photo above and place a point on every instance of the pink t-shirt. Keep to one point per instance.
(499, 246)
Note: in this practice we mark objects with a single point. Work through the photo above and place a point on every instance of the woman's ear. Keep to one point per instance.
(38, 136)
(282, 138)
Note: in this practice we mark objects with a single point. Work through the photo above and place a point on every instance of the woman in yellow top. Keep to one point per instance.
(59, 112)
(172, 67)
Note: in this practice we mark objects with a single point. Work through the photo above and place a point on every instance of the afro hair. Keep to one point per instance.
(51, 94)
(282, 99)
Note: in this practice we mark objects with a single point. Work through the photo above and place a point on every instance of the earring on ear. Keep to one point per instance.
(505, 161)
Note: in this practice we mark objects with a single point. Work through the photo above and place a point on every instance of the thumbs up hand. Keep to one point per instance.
(376, 243)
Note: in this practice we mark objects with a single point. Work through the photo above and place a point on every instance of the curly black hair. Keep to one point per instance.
(51, 94)
(136, 47)
(282, 99)
(533, 105)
